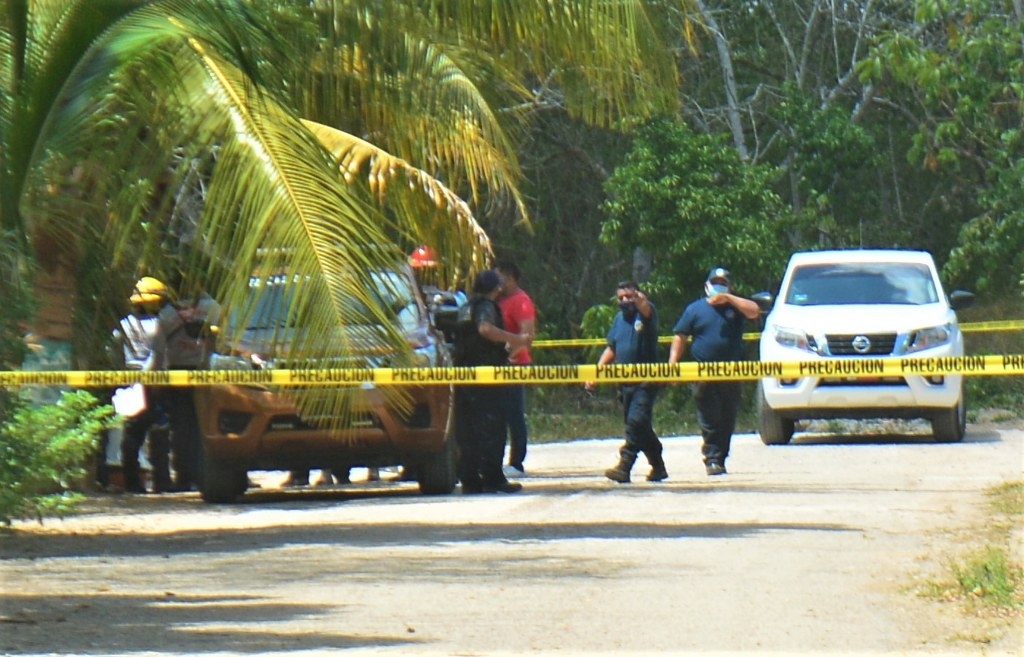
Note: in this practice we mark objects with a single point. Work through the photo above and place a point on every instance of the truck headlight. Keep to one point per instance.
(793, 339)
(930, 337)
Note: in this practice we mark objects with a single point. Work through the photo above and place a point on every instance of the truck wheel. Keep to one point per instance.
(950, 425)
(436, 474)
(219, 483)
(774, 430)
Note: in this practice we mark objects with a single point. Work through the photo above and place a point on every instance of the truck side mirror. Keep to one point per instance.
(960, 299)
(764, 301)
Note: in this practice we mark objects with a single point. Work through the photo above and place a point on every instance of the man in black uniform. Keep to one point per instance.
(715, 322)
(479, 409)
(633, 338)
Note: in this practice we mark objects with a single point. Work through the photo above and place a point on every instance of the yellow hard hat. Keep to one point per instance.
(148, 290)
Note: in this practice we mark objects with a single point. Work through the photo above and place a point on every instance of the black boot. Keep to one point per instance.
(131, 442)
(159, 443)
(620, 472)
(132, 478)
(658, 471)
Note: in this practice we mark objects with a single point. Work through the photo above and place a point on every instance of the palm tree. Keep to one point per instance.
(168, 136)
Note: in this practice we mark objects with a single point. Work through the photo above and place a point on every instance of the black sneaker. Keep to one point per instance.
(714, 469)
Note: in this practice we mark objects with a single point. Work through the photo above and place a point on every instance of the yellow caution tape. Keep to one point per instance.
(972, 327)
(852, 368)
(984, 327)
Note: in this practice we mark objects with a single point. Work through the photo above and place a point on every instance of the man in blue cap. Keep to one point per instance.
(715, 322)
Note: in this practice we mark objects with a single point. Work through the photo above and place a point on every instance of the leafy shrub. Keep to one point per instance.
(989, 575)
(44, 450)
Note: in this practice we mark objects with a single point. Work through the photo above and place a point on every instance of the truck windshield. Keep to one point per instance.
(270, 300)
(861, 283)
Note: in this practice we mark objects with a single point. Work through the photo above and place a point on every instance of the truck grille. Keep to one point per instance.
(360, 420)
(879, 344)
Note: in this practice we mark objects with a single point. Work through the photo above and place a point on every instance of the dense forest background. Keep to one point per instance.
(591, 142)
(804, 124)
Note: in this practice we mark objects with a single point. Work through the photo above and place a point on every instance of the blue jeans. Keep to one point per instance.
(515, 419)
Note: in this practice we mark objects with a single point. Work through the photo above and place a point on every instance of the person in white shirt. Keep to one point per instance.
(137, 333)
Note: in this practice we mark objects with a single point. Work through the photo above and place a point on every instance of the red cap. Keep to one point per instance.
(423, 256)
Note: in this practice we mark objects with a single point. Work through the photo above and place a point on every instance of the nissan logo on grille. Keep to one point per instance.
(861, 344)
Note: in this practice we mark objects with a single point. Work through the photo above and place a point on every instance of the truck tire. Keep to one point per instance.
(950, 425)
(219, 483)
(774, 430)
(436, 474)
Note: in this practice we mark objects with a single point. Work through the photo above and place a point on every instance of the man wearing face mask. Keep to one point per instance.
(633, 338)
(715, 323)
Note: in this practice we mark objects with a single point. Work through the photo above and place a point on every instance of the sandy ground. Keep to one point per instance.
(812, 548)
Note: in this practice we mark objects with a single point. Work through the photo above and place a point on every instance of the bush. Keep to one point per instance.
(44, 451)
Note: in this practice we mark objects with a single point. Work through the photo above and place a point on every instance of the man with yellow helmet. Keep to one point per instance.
(184, 340)
(137, 333)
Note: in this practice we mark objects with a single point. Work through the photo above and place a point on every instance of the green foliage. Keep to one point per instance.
(991, 577)
(15, 310)
(962, 67)
(44, 450)
(688, 200)
(989, 257)
(830, 162)
(565, 270)
(597, 320)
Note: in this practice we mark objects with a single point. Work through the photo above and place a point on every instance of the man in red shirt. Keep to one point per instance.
(520, 317)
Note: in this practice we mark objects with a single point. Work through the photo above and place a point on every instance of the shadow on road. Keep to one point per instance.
(166, 622)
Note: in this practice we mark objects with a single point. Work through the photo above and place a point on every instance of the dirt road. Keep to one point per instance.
(811, 548)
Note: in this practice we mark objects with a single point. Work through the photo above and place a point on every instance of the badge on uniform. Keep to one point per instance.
(638, 325)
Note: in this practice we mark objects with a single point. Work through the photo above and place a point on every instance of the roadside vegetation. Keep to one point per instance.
(46, 454)
(986, 577)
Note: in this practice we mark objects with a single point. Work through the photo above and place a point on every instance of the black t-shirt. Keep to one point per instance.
(471, 348)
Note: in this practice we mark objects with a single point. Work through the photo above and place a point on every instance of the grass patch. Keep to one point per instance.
(1008, 499)
(986, 578)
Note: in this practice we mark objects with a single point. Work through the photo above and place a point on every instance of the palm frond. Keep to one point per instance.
(436, 215)
(599, 61)
(379, 72)
(271, 185)
(40, 42)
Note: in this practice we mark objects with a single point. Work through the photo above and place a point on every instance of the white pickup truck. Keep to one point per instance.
(850, 304)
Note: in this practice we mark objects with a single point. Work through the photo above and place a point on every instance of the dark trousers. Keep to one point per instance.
(638, 413)
(135, 432)
(185, 439)
(480, 435)
(717, 404)
(515, 410)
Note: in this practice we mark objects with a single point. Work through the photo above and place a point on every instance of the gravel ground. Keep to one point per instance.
(812, 548)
